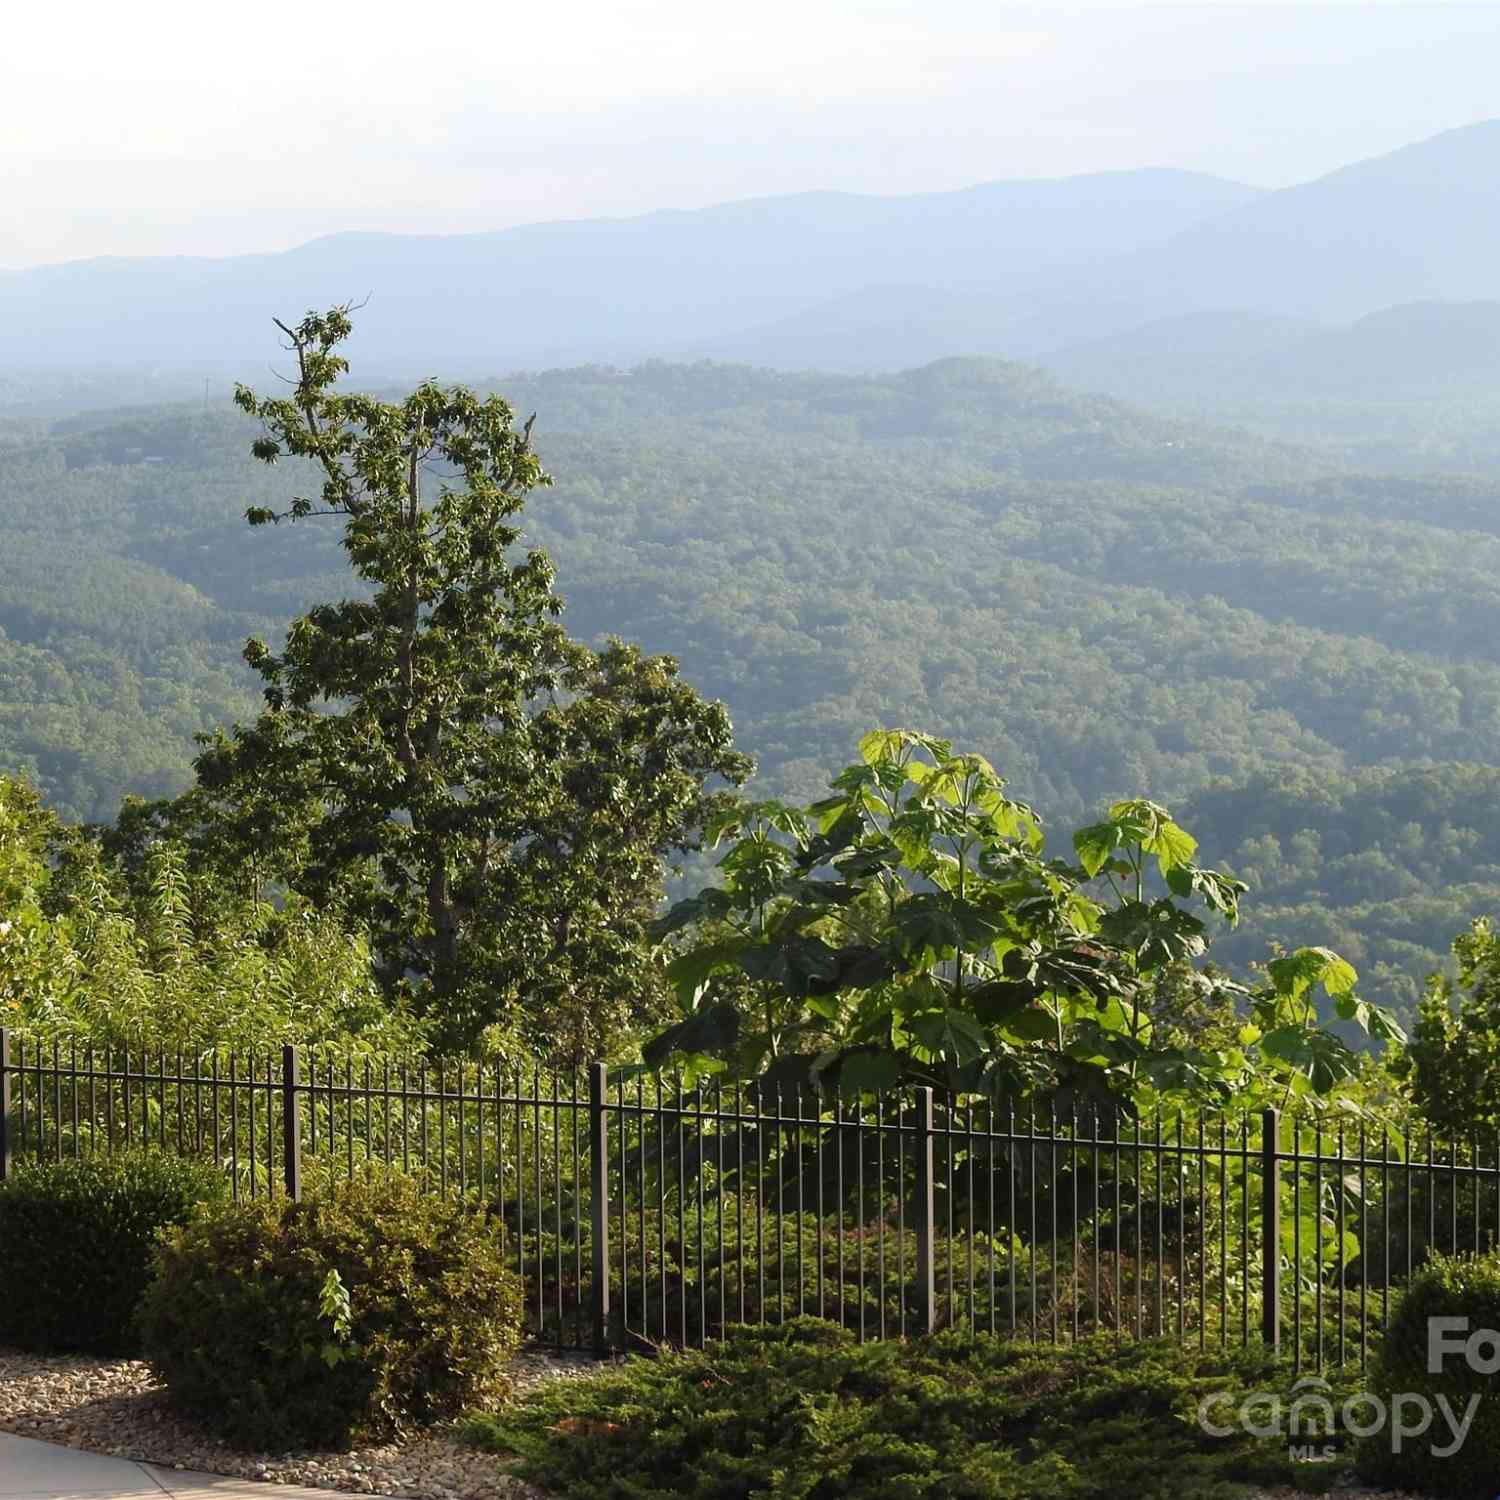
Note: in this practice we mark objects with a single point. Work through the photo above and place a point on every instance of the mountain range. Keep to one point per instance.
(548, 294)
(1019, 269)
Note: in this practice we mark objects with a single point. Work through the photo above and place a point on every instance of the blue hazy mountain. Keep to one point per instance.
(1419, 225)
(550, 294)
(830, 280)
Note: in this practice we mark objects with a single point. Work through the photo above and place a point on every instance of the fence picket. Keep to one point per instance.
(291, 1122)
(663, 1216)
(1270, 1243)
(6, 1147)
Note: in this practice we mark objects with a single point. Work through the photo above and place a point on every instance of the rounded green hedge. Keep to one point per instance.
(76, 1239)
(362, 1310)
(1454, 1288)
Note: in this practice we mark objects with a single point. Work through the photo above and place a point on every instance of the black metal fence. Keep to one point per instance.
(641, 1212)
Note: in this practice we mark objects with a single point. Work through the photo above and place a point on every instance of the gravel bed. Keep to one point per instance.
(115, 1407)
(1335, 1491)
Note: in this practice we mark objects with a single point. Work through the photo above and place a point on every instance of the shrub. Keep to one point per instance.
(1446, 1287)
(76, 1239)
(362, 1309)
(805, 1412)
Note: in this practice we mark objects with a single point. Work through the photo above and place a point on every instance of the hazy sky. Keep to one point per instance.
(168, 127)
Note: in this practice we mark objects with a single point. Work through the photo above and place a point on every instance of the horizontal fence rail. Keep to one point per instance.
(637, 1212)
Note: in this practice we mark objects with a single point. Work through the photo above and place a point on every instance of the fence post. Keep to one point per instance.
(925, 1225)
(291, 1122)
(1270, 1229)
(599, 1176)
(5, 1144)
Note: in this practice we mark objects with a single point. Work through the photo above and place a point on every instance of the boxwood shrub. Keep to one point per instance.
(1446, 1287)
(364, 1309)
(76, 1239)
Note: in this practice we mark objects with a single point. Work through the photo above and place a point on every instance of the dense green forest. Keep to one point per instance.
(1303, 659)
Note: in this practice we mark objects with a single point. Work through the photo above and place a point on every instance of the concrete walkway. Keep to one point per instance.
(30, 1470)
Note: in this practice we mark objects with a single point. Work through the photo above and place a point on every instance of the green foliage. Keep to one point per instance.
(804, 1411)
(1106, 601)
(76, 1239)
(1446, 1287)
(489, 798)
(179, 962)
(354, 1313)
(1383, 864)
(911, 928)
(1452, 1064)
(31, 953)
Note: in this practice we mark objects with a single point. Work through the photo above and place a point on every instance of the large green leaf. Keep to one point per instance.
(789, 1073)
(1138, 820)
(794, 961)
(1318, 1240)
(951, 1034)
(856, 967)
(1318, 1056)
(872, 857)
(756, 866)
(687, 972)
(1156, 933)
(1172, 845)
(1375, 1020)
(936, 923)
(828, 812)
(943, 782)
(1218, 892)
(879, 745)
(998, 1000)
(1087, 1087)
(1295, 973)
(713, 1028)
(867, 1071)
(841, 834)
(708, 905)
(1037, 1023)
(821, 893)
(1095, 844)
(1184, 1070)
(1012, 820)
(1090, 1042)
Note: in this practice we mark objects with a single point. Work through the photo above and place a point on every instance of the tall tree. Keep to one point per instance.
(491, 798)
(1451, 1068)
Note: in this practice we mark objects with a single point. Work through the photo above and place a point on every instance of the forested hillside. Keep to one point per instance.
(1101, 601)
(1414, 387)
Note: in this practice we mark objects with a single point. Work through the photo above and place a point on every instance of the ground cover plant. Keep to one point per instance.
(806, 1411)
(76, 1239)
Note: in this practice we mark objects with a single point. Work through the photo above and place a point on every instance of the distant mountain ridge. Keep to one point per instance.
(825, 280)
(617, 289)
(1419, 225)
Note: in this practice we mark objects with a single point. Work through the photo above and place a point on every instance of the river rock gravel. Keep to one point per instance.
(114, 1406)
(1341, 1490)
